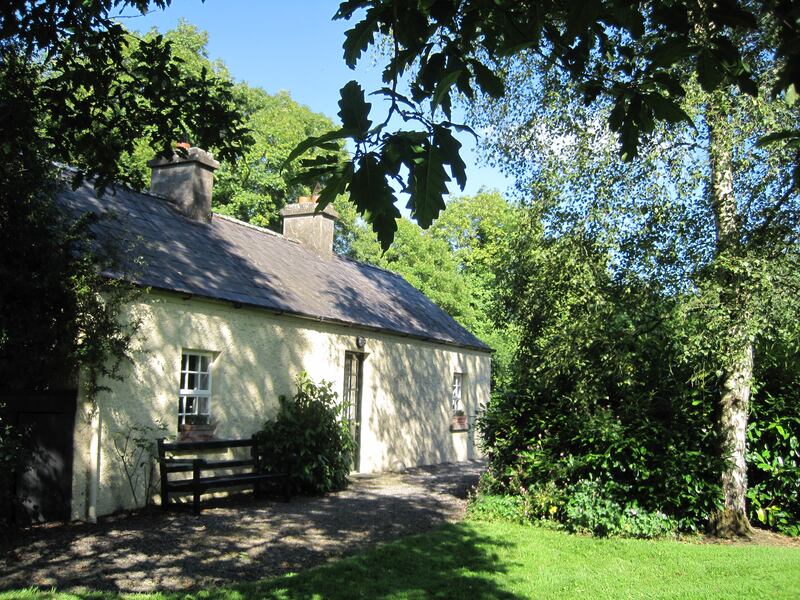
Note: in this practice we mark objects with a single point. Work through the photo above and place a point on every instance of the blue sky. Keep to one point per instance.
(292, 46)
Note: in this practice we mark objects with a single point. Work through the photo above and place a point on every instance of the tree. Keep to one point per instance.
(76, 88)
(256, 185)
(704, 213)
(480, 231)
(599, 394)
(635, 55)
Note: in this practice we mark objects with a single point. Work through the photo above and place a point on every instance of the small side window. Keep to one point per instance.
(194, 393)
(456, 400)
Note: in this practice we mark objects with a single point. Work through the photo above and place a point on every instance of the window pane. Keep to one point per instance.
(191, 381)
(202, 383)
(204, 364)
(202, 404)
(180, 405)
(191, 405)
(456, 392)
(193, 362)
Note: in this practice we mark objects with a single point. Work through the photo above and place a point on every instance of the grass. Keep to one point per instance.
(508, 561)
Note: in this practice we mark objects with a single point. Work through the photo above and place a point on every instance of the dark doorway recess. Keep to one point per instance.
(43, 488)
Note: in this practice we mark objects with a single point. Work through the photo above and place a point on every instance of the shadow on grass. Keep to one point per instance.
(451, 562)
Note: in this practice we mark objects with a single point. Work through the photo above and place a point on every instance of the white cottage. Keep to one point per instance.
(232, 312)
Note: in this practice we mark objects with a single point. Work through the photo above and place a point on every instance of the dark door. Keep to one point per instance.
(353, 367)
(43, 488)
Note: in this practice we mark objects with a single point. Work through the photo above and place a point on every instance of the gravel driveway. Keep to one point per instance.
(238, 539)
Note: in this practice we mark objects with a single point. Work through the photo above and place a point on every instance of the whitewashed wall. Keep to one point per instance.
(406, 388)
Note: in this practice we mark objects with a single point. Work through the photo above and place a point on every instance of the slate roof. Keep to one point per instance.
(233, 261)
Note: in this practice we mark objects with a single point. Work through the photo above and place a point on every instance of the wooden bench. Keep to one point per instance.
(224, 473)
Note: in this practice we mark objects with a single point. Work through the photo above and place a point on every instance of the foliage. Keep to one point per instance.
(134, 448)
(310, 438)
(600, 391)
(774, 441)
(59, 311)
(488, 508)
(603, 391)
(100, 89)
(636, 57)
(591, 510)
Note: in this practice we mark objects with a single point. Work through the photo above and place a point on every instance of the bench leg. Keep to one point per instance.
(196, 502)
(196, 472)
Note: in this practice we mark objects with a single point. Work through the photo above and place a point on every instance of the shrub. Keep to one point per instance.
(537, 502)
(652, 453)
(309, 438)
(590, 509)
(486, 507)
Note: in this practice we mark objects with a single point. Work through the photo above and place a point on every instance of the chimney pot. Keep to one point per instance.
(187, 182)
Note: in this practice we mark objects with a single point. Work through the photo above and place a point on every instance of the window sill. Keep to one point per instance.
(459, 423)
(196, 432)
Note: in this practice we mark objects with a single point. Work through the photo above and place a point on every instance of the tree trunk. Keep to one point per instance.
(734, 402)
(738, 371)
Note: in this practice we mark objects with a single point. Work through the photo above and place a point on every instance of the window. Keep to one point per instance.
(194, 396)
(455, 399)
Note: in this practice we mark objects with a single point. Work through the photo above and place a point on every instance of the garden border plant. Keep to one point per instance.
(309, 438)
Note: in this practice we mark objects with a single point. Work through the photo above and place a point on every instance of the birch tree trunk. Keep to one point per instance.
(738, 369)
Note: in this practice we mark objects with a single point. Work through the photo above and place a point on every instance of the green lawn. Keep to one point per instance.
(501, 560)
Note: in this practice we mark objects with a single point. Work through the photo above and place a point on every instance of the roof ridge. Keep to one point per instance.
(369, 265)
(251, 226)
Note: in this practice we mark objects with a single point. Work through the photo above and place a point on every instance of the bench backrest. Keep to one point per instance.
(201, 446)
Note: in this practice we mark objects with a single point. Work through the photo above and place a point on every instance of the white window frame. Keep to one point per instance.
(457, 392)
(200, 396)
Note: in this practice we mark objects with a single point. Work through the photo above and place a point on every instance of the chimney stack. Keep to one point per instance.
(313, 230)
(186, 181)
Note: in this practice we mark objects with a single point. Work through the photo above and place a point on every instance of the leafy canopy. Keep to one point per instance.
(637, 55)
(100, 88)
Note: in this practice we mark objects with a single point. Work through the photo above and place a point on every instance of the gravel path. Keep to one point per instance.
(238, 539)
